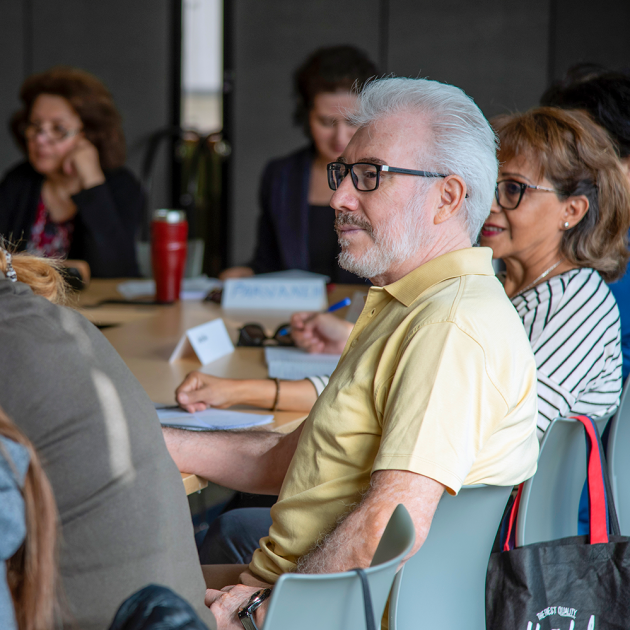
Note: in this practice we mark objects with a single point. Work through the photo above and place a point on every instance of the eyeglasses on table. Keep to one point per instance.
(254, 335)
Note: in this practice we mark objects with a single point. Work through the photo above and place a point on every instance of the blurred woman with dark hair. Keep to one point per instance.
(295, 228)
(559, 222)
(28, 532)
(72, 199)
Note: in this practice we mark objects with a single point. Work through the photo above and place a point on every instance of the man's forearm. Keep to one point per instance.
(249, 461)
(354, 541)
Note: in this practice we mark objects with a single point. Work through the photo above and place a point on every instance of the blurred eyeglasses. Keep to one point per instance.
(366, 176)
(54, 133)
(254, 335)
(509, 193)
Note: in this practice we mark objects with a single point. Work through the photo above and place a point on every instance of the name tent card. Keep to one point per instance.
(209, 341)
(274, 294)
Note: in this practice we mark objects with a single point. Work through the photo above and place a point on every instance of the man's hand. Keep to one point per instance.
(320, 332)
(84, 164)
(226, 603)
(236, 272)
(199, 391)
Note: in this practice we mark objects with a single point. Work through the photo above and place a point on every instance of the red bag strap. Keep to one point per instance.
(596, 491)
(510, 536)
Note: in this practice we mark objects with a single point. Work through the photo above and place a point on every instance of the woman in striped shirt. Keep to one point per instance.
(559, 222)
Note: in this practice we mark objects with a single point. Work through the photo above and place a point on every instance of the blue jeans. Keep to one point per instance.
(233, 537)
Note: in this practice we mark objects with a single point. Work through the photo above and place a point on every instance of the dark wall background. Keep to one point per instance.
(125, 43)
(503, 54)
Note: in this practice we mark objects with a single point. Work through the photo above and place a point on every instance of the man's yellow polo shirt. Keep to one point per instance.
(437, 378)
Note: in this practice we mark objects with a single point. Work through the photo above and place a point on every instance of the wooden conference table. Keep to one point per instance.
(146, 335)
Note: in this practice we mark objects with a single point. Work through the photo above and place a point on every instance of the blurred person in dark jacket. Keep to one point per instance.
(295, 227)
(72, 199)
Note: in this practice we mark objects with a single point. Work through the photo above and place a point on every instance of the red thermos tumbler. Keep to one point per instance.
(169, 234)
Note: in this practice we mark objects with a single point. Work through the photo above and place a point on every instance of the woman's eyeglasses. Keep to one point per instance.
(254, 335)
(54, 133)
(509, 193)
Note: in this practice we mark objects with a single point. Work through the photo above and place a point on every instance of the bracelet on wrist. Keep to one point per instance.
(274, 407)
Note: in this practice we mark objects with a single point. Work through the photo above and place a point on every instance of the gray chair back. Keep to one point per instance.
(443, 584)
(334, 601)
(619, 460)
(551, 498)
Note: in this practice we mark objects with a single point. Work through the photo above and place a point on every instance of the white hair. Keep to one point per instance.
(464, 143)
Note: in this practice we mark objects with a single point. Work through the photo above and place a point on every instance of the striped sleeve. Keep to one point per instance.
(572, 322)
(319, 383)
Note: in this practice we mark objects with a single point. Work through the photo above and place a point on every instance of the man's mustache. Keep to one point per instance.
(347, 218)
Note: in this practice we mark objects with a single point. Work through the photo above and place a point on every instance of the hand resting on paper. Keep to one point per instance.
(320, 332)
(199, 391)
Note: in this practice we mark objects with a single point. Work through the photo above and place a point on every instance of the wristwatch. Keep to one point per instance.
(246, 614)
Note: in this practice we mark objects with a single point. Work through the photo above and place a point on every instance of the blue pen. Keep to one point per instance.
(331, 309)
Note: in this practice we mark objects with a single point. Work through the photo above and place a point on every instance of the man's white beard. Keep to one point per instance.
(398, 239)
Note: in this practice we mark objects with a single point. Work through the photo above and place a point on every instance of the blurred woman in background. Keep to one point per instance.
(72, 199)
(295, 227)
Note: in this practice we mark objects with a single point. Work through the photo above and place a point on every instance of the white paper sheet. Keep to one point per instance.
(192, 288)
(260, 294)
(293, 364)
(210, 419)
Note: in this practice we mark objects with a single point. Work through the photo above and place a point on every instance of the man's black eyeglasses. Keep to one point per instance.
(255, 335)
(509, 193)
(366, 176)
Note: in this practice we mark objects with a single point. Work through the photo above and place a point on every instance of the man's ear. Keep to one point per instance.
(452, 195)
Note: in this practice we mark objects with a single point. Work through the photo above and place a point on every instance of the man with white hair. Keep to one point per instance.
(436, 387)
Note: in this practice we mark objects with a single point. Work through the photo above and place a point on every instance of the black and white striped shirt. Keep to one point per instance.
(572, 322)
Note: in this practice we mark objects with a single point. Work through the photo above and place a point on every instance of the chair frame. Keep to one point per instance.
(301, 600)
(443, 584)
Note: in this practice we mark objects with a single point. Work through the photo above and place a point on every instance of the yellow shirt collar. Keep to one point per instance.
(461, 262)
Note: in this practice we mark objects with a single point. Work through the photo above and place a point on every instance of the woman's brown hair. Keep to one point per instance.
(90, 99)
(578, 157)
(40, 274)
(32, 571)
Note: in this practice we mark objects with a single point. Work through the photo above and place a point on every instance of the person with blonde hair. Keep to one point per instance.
(123, 514)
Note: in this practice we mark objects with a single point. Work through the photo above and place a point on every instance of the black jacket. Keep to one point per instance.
(282, 240)
(105, 225)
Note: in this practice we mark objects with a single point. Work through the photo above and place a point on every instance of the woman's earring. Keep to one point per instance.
(566, 225)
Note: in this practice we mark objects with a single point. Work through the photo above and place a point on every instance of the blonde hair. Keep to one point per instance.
(32, 571)
(42, 275)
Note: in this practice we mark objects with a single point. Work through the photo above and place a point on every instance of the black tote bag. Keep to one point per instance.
(575, 583)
